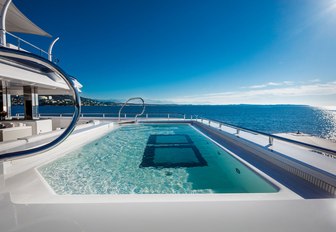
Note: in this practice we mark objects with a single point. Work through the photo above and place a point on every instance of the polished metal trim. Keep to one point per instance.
(10, 53)
(131, 99)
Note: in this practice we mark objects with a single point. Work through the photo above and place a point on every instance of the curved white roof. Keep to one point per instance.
(16, 21)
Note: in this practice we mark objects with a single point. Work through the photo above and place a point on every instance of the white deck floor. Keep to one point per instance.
(305, 138)
(234, 216)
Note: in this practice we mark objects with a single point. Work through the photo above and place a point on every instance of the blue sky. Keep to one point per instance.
(200, 52)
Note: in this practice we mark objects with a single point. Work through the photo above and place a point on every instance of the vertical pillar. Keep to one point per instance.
(30, 98)
(35, 99)
(6, 102)
(3, 14)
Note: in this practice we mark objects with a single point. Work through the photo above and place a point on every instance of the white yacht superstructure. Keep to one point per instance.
(304, 173)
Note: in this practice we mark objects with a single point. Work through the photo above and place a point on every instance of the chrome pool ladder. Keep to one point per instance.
(137, 115)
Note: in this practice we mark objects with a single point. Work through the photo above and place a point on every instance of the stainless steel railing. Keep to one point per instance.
(19, 43)
(271, 137)
(107, 115)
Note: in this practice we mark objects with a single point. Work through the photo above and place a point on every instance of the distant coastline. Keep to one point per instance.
(61, 100)
(272, 119)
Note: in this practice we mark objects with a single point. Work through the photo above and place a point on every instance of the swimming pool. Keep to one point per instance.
(152, 159)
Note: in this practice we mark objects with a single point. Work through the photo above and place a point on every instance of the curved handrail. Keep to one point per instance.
(306, 145)
(131, 99)
(10, 53)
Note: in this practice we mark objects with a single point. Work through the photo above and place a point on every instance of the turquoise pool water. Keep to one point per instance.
(152, 159)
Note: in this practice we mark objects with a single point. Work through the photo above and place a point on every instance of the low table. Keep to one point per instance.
(39, 126)
(13, 133)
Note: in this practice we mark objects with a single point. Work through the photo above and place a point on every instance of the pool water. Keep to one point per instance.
(152, 159)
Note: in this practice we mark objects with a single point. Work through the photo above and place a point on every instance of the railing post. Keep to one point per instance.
(209, 122)
(220, 126)
(3, 14)
(146, 115)
(103, 115)
(238, 131)
(168, 116)
(184, 116)
(191, 117)
(125, 116)
(270, 141)
(51, 48)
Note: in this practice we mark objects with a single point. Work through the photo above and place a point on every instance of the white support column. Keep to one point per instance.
(3, 15)
(51, 48)
(35, 102)
(6, 102)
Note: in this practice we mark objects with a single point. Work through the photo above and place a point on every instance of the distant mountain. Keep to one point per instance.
(147, 101)
(63, 100)
(94, 102)
(109, 100)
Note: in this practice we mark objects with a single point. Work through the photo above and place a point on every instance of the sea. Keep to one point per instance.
(320, 122)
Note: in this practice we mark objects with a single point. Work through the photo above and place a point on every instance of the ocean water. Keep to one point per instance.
(163, 159)
(265, 118)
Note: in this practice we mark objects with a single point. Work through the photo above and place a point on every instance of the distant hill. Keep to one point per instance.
(94, 102)
(61, 100)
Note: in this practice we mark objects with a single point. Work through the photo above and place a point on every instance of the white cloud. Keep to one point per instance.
(314, 81)
(263, 96)
(270, 84)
